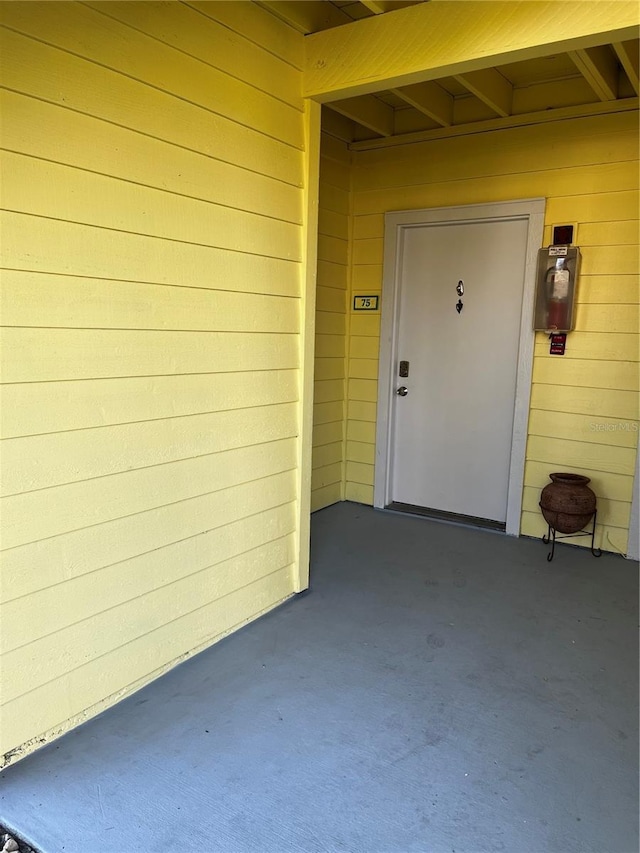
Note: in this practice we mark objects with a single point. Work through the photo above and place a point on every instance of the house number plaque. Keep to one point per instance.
(365, 303)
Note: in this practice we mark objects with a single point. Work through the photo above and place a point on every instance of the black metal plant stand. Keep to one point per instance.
(552, 535)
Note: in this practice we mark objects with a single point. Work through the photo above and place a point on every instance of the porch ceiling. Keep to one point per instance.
(581, 81)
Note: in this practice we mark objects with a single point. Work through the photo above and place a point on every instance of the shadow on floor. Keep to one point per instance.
(442, 689)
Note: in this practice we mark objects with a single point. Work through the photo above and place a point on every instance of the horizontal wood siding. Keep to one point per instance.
(327, 483)
(584, 408)
(153, 171)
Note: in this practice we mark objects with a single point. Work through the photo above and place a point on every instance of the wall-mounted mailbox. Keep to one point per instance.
(557, 276)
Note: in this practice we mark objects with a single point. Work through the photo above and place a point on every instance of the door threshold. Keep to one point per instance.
(450, 517)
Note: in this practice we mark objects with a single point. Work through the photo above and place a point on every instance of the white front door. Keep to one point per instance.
(451, 434)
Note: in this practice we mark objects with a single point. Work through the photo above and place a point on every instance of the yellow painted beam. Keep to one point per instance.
(378, 7)
(368, 111)
(599, 68)
(548, 95)
(491, 87)
(375, 6)
(540, 117)
(307, 16)
(430, 99)
(335, 124)
(438, 39)
(628, 53)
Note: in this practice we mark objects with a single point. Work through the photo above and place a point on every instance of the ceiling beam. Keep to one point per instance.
(491, 87)
(368, 111)
(430, 99)
(599, 68)
(375, 6)
(307, 16)
(540, 117)
(337, 125)
(628, 52)
(440, 39)
(379, 7)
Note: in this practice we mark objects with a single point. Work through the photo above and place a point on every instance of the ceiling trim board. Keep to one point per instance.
(582, 111)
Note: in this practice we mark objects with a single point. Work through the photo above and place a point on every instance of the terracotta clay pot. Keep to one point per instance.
(567, 503)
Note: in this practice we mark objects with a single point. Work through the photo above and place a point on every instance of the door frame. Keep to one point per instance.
(633, 542)
(396, 222)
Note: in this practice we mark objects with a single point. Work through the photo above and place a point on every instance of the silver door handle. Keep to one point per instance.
(402, 391)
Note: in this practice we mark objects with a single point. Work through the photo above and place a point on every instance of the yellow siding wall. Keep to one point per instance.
(152, 243)
(585, 404)
(327, 482)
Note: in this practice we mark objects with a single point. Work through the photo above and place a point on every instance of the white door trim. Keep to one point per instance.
(633, 544)
(531, 209)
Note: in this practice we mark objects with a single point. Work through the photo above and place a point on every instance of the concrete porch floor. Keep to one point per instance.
(441, 689)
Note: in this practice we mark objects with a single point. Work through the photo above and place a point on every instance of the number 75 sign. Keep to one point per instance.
(365, 303)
